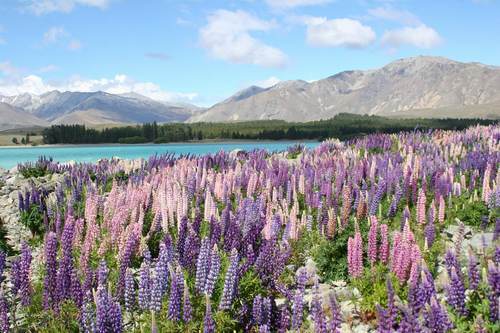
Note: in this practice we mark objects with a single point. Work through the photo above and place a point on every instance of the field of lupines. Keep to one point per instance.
(257, 242)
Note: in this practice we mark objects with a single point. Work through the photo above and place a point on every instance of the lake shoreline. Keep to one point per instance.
(178, 143)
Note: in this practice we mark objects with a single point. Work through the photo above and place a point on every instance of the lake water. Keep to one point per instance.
(10, 157)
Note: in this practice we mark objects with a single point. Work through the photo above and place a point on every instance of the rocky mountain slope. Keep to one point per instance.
(97, 108)
(11, 118)
(400, 88)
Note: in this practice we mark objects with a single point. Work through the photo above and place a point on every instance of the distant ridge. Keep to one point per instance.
(410, 86)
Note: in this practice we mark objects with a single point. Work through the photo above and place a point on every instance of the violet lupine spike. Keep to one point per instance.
(372, 240)
(298, 300)
(176, 291)
(76, 292)
(202, 265)
(4, 314)
(102, 273)
(284, 320)
(208, 321)
(494, 294)
(213, 273)
(317, 312)
(144, 292)
(102, 309)
(49, 287)
(335, 322)
(473, 270)
(129, 292)
(156, 293)
(87, 318)
(409, 322)
(456, 293)
(436, 318)
(257, 310)
(25, 288)
(230, 282)
(187, 309)
(496, 255)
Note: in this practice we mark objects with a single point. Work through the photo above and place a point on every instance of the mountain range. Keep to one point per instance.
(412, 87)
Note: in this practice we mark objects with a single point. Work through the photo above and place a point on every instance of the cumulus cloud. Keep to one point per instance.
(295, 3)
(119, 84)
(391, 14)
(420, 36)
(227, 36)
(41, 7)
(345, 32)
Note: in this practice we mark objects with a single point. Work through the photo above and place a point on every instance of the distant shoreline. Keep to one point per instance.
(179, 143)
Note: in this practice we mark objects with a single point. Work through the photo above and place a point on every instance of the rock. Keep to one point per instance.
(346, 293)
(347, 308)
(452, 230)
(324, 292)
(311, 270)
(339, 283)
(361, 328)
(441, 280)
(478, 241)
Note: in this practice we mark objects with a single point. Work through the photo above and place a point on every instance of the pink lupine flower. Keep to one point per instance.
(384, 246)
(441, 209)
(421, 207)
(485, 195)
(355, 255)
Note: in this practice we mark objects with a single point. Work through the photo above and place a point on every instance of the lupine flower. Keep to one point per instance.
(436, 318)
(230, 282)
(355, 255)
(384, 245)
(202, 265)
(421, 218)
(494, 295)
(474, 276)
(456, 293)
(409, 322)
(176, 292)
(317, 313)
(284, 320)
(336, 320)
(87, 320)
(144, 286)
(257, 310)
(49, 287)
(298, 300)
(213, 274)
(156, 293)
(4, 314)
(129, 293)
(208, 322)
(372, 240)
(187, 309)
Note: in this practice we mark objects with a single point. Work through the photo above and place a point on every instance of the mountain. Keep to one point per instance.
(412, 86)
(94, 108)
(12, 117)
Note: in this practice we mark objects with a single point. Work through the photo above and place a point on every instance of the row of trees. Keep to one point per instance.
(342, 126)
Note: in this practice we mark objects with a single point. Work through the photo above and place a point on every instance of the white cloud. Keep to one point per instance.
(345, 32)
(420, 36)
(227, 37)
(40, 7)
(117, 85)
(295, 3)
(74, 45)
(269, 82)
(391, 14)
(54, 34)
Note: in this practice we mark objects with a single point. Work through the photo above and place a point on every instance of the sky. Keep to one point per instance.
(201, 52)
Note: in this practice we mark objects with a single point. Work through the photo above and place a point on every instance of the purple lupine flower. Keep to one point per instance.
(76, 292)
(129, 293)
(456, 293)
(451, 261)
(174, 301)
(162, 268)
(494, 294)
(496, 232)
(298, 300)
(213, 274)
(21, 273)
(257, 310)
(114, 318)
(49, 284)
(187, 309)
(202, 265)
(66, 263)
(436, 318)
(156, 293)
(230, 282)
(474, 276)
(208, 322)
(430, 232)
(284, 320)
(387, 316)
(409, 322)
(87, 321)
(4, 314)
(317, 312)
(102, 309)
(144, 292)
(3, 257)
(102, 273)
(266, 312)
(336, 320)
(496, 255)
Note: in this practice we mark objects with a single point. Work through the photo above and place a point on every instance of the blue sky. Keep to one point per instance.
(203, 51)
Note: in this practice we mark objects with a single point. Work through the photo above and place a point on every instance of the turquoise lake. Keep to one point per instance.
(10, 157)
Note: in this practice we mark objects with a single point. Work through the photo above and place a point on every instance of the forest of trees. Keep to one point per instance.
(342, 126)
